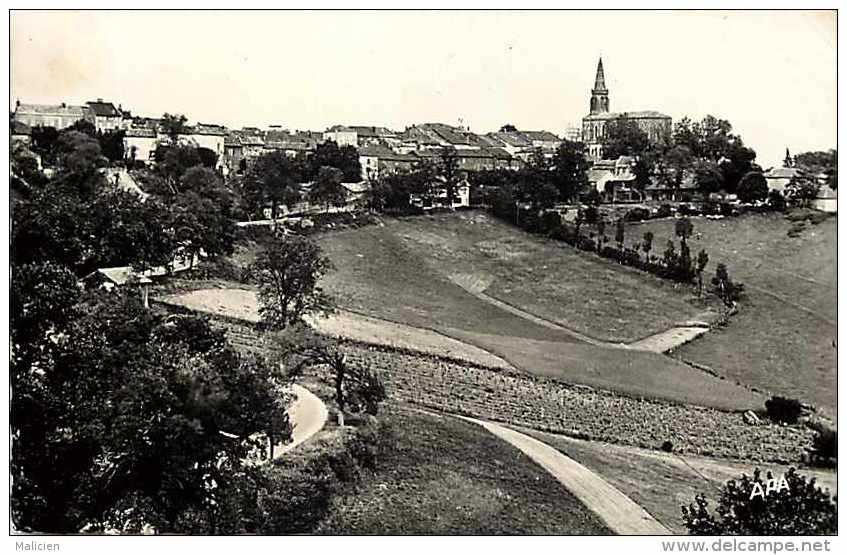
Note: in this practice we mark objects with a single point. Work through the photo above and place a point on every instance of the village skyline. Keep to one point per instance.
(484, 71)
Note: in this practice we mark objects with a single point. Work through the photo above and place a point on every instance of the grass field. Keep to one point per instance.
(381, 272)
(783, 339)
(599, 298)
(442, 476)
(662, 483)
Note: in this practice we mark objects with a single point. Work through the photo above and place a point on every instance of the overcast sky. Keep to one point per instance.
(772, 74)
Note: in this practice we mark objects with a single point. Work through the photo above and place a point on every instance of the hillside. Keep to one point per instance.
(783, 339)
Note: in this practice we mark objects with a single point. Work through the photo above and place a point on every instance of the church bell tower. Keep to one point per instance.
(599, 94)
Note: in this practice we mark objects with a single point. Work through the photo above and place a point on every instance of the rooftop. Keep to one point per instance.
(643, 114)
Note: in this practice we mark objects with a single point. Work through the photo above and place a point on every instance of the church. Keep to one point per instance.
(655, 124)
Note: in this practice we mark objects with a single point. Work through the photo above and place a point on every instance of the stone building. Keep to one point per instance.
(655, 124)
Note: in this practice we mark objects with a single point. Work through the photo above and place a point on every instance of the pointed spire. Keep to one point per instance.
(600, 79)
(788, 162)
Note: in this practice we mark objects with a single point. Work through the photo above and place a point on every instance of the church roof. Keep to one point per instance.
(600, 79)
(642, 114)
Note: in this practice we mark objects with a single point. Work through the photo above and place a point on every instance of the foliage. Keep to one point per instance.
(820, 162)
(273, 178)
(570, 168)
(624, 138)
(783, 409)
(776, 201)
(708, 177)
(726, 289)
(683, 228)
(173, 125)
(121, 412)
(288, 271)
(801, 509)
(327, 188)
(345, 158)
(824, 450)
(802, 189)
(753, 187)
(448, 168)
(357, 388)
(172, 161)
(208, 157)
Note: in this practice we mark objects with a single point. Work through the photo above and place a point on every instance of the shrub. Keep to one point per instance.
(801, 509)
(783, 409)
(667, 446)
(549, 223)
(776, 201)
(293, 501)
(637, 215)
(824, 451)
(664, 211)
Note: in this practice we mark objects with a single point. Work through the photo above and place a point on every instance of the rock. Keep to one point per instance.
(751, 418)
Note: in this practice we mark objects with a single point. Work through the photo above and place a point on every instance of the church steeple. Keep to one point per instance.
(599, 94)
(788, 162)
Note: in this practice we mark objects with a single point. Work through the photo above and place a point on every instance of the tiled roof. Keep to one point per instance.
(208, 129)
(372, 131)
(104, 109)
(51, 109)
(140, 132)
(540, 136)
(512, 139)
(385, 153)
(783, 173)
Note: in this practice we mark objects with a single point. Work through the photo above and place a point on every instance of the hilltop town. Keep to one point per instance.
(364, 330)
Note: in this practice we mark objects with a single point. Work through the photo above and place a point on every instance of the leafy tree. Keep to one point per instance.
(357, 387)
(624, 138)
(273, 178)
(702, 261)
(708, 177)
(820, 162)
(753, 187)
(683, 228)
(800, 509)
(327, 188)
(287, 272)
(619, 232)
(44, 139)
(208, 157)
(673, 164)
(570, 170)
(802, 189)
(173, 125)
(122, 411)
(738, 163)
(112, 144)
(344, 158)
(776, 201)
(727, 290)
(172, 161)
(448, 167)
(84, 126)
(647, 244)
(78, 153)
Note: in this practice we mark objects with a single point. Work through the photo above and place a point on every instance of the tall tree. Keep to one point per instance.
(752, 187)
(448, 166)
(624, 138)
(273, 178)
(345, 158)
(288, 272)
(570, 170)
(173, 125)
(327, 188)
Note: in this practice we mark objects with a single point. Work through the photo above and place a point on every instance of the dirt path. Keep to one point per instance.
(243, 304)
(308, 415)
(620, 513)
(657, 343)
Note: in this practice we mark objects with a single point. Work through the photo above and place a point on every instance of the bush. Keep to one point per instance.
(293, 501)
(637, 215)
(783, 409)
(549, 223)
(800, 509)
(667, 446)
(824, 451)
(664, 211)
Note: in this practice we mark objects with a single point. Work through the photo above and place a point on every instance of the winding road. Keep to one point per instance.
(620, 513)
